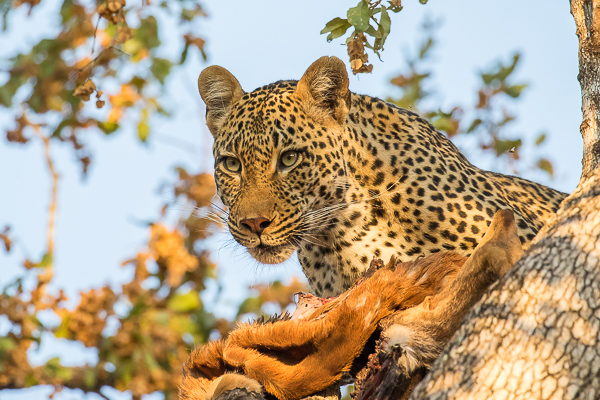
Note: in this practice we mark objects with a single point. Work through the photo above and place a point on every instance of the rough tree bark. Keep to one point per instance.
(536, 334)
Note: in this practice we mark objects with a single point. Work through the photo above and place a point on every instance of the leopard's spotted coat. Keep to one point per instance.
(372, 178)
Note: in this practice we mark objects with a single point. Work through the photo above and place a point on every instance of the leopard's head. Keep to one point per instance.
(278, 154)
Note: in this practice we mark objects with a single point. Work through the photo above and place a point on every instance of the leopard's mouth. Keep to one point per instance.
(271, 254)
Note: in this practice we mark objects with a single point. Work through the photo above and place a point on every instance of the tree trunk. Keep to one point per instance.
(536, 334)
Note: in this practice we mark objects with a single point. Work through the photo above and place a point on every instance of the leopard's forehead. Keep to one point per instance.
(261, 122)
(263, 102)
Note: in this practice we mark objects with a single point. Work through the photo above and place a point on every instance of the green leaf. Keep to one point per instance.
(250, 305)
(188, 15)
(424, 50)
(62, 125)
(7, 344)
(385, 23)
(66, 11)
(500, 72)
(107, 127)
(132, 46)
(443, 124)
(6, 96)
(487, 78)
(10, 88)
(47, 68)
(89, 378)
(359, 16)
(333, 24)
(183, 324)
(476, 122)
(377, 45)
(505, 120)
(147, 33)
(138, 308)
(502, 146)
(159, 108)
(184, 53)
(204, 56)
(64, 373)
(540, 139)
(54, 368)
(515, 90)
(126, 368)
(138, 83)
(375, 33)
(506, 71)
(337, 27)
(30, 380)
(184, 302)
(46, 260)
(161, 68)
(143, 127)
(36, 104)
(151, 361)
(63, 329)
(546, 165)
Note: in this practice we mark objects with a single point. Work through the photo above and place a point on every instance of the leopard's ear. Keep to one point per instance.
(324, 89)
(220, 91)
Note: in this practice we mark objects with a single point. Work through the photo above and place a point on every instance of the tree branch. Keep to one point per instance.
(46, 276)
(587, 19)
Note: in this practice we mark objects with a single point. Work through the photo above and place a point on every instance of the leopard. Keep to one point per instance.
(310, 167)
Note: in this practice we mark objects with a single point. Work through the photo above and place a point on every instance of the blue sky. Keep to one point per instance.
(100, 220)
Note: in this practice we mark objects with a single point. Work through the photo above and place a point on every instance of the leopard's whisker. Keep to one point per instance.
(327, 211)
(207, 213)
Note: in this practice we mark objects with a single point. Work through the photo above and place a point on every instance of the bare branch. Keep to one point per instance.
(46, 276)
(95, 33)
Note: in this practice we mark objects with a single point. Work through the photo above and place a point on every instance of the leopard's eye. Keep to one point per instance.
(289, 158)
(232, 164)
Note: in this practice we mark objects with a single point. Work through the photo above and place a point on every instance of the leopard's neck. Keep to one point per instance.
(382, 158)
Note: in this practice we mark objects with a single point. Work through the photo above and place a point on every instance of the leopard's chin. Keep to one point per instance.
(271, 254)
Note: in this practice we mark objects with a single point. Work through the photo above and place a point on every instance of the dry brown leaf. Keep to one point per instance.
(85, 91)
(4, 237)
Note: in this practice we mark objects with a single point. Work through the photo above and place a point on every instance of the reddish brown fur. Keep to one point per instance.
(284, 356)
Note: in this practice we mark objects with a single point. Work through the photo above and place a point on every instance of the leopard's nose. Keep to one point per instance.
(256, 225)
